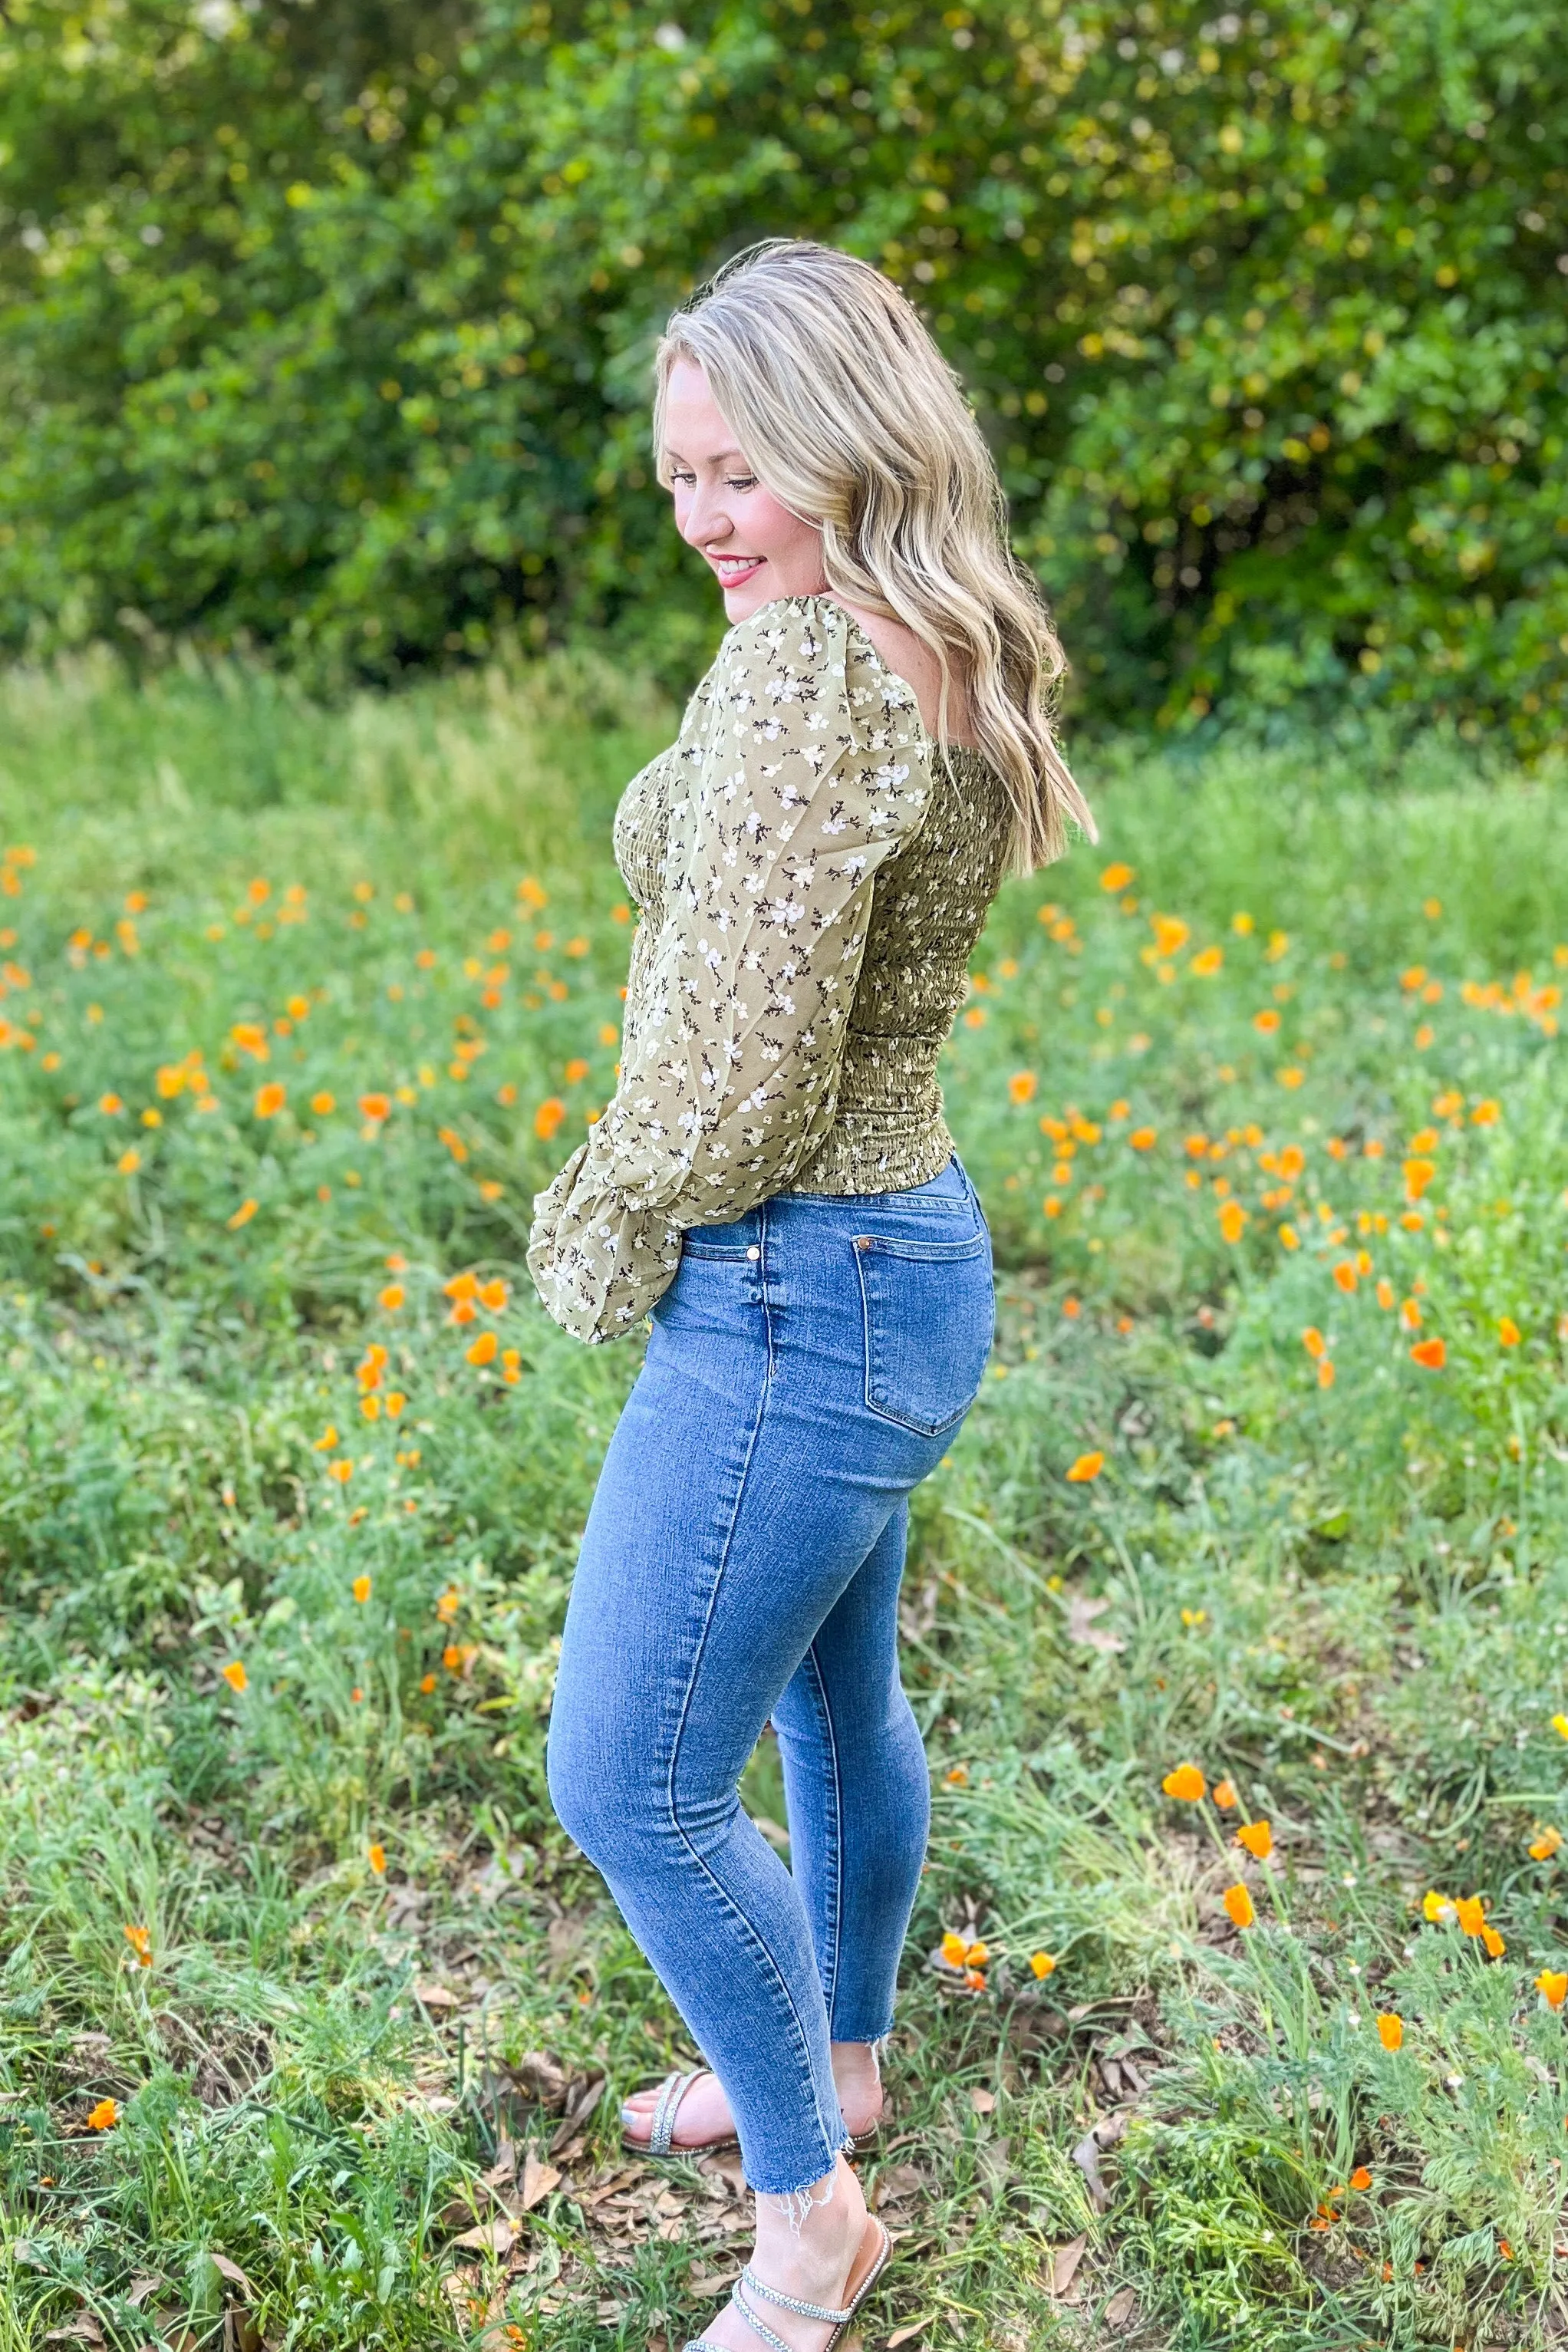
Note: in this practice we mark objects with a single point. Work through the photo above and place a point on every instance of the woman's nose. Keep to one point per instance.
(705, 519)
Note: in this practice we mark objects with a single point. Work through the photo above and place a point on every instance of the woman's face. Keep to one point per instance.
(758, 550)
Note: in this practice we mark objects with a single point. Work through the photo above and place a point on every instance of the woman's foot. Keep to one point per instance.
(703, 2115)
(819, 2256)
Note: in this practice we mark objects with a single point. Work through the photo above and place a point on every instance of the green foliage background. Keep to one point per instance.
(325, 328)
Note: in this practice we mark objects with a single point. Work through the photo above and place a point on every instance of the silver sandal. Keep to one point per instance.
(660, 2141)
(838, 2320)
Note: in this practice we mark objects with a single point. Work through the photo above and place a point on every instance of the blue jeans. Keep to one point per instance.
(809, 1364)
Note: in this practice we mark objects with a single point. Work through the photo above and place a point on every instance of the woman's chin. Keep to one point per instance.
(749, 597)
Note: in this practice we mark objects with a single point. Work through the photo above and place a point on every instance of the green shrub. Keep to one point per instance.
(331, 329)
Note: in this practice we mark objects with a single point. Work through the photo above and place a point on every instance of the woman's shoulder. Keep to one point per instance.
(815, 647)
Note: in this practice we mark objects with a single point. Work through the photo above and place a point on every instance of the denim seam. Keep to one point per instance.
(725, 1899)
(825, 1710)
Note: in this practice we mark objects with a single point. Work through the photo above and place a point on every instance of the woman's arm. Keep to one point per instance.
(803, 770)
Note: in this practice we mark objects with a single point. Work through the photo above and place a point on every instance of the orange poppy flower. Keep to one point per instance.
(1116, 877)
(375, 1855)
(270, 1099)
(1346, 1274)
(547, 1119)
(141, 1943)
(1553, 1987)
(1325, 1372)
(1290, 1238)
(1232, 1222)
(392, 1297)
(1471, 1913)
(1507, 1331)
(1385, 1292)
(1185, 1783)
(362, 1588)
(1545, 1846)
(1085, 1469)
(1313, 1341)
(1021, 1086)
(1361, 2179)
(1431, 1354)
(243, 1214)
(576, 1071)
(341, 1470)
(1042, 1963)
(1267, 1022)
(1225, 1795)
(1238, 1904)
(1391, 2030)
(1257, 1838)
(427, 1684)
(104, 2116)
(375, 1107)
(493, 1296)
(323, 1104)
(484, 1348)
(1144, 1139)
(1494, 1943)
(235, 1675)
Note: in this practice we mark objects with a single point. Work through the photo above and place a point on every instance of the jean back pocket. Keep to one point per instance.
(929, 1311)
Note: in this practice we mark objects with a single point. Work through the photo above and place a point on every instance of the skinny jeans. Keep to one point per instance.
(810, 1363)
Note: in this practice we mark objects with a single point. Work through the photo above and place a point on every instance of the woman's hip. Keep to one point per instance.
(867, 1316)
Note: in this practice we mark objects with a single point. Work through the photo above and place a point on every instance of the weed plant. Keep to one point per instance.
(313, 2027)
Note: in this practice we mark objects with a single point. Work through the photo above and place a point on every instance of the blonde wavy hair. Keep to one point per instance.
(852, 418)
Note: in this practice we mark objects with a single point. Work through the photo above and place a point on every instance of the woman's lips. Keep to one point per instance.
(732, 572)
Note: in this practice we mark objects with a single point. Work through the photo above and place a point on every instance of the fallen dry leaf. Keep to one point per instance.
(437, 1996)
(902, 2335)
(497, 2237)
(1081, 1628)
(895, 2182)
(710, 2282)
(1064, 2264)
(1122, 2307)
(538, 2180)
(1085, 2156)
(983, 2101)
(232, 2271)
(538, 2074)
(725, 2165)
(141, 2288)
(83, 2329)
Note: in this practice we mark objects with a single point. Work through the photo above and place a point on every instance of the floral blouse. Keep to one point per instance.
(763, 846)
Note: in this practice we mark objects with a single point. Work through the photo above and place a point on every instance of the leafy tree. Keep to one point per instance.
(329, 330)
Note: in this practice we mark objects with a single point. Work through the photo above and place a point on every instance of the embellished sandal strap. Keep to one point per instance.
(793, 2302)
(671, 2092)
(758, 2325)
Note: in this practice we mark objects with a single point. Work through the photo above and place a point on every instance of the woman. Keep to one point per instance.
(814, 858)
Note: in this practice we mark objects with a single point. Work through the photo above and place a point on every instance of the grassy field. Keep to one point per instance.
(312, 2026)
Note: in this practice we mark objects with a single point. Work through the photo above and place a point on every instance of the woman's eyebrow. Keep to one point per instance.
(720, 457)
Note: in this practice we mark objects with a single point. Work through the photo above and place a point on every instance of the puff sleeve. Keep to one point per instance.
(801, 768)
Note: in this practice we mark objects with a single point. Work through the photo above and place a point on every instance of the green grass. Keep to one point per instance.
(1350, 1600)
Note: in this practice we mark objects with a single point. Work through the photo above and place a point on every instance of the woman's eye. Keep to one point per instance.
(741, 482)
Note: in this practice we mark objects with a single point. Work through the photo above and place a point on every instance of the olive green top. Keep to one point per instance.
(813, 875)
